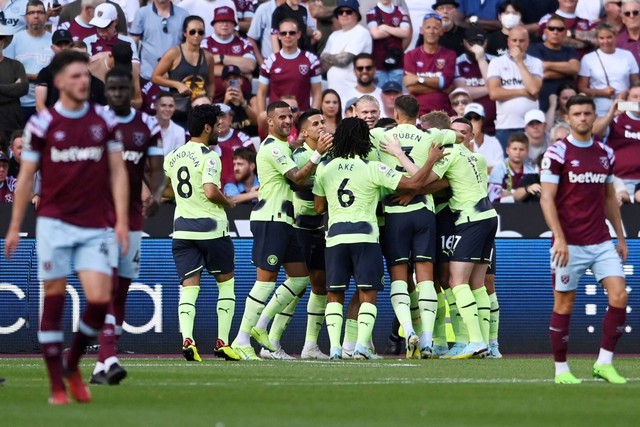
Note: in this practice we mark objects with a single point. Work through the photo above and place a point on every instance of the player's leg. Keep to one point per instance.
(351, 326)
(315, 314)
(494, 315)
(368, 272)
(339, 271)
(280, 323)
(479, 291)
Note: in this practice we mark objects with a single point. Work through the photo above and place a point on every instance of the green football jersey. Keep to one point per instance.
(352, 188)
(305, 213)
(275, 197)
(190, 167)
(468, 182)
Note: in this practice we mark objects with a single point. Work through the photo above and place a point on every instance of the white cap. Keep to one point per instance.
(534, 115)
(459, 91)
(224, 108)
(104, 15)
(474, 107)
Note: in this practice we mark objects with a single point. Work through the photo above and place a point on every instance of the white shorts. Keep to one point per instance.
(602, 259)
(129, 263)
(60, 244)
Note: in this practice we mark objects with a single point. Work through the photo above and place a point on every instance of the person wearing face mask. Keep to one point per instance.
(509, 15)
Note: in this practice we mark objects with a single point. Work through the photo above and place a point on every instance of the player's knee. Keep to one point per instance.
(618, 298)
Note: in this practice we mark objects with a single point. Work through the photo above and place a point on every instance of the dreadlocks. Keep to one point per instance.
(351, 139)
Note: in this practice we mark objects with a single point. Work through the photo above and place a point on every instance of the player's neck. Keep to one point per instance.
(201, 140)
(70, 104)
(581, 137)
(311, 143)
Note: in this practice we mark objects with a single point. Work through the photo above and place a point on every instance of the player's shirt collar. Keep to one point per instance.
(580, 144)
(290, 55)
(71, 114)
(126, 119)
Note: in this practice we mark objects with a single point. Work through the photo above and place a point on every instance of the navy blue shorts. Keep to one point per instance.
(410, 237)
(192, 256)
(473, 241)
(274, 244)
(362, 261)
(313, 245)
(445, 235)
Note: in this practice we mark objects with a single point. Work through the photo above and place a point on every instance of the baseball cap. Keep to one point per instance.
(347, 4)
(475, 33)
(392, 86)
(458, 91)
(104, 15)
(474, 107)
(534, 115)
(3, 157)
(350, 103)
(230, 70)
(61, 36)
(223, 13)
(224, 108)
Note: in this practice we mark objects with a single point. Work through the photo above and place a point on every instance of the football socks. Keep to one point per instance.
(334, 320)
(484, 311)
(225, 308)
(315, 316)
(366, 321)
(468, 309)
(187, 310)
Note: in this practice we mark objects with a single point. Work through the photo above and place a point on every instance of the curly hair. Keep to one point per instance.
(351, 139)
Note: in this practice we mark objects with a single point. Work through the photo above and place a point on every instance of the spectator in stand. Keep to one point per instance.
(533, 11)
(514, 82)
(483, 13)
(121, 55)
(173, 136)
(244, 188)
(32, 47)
(535, 127)
(367, 108)
(292, 9)
(331, 107)
(612, 14)
(580, 30)
(15, 149)
(459, 99)
(487, 145)
(559, 132)
(343, 45)
(71, 10)
(365, 71)
(13, 85)
(529, 189)
(505, 176)
(204, 8)
(607, 72)
(7, 183)
(79, 26)
(629, 36)
(510, 16)
(13, 18)
(560, 63)
(558, 104)
(229, 49)
(471, 74)
(243, 104)
(349, 107)
(429, 69)
(290, 71)
(156, 28)
(260, 29)
(390, 91)
(244, 14)
(229, 140)
(390, 30)
(453, 34)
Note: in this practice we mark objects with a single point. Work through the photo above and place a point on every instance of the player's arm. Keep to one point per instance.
(156, 182)
(301, 175)
(320, 204)
(560, 250)
(612, 211)
(120, 194)
(425, 175)
(41, 97)
(21, 198)
(213, 193)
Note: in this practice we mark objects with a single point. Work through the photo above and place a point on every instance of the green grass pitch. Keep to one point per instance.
(515, 391)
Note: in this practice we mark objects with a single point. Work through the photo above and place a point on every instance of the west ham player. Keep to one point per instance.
(74, 145)
(274, 241)
(201, 236)
(350, 187)
(577, 196)
(291, 71)
(142, 141)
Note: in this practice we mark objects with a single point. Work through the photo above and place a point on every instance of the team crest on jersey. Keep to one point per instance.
(235, 49)
(565, 279)
(395, 21)
(272, 259)
(97, 132)
(440, 63)
(139, 138)
(304, 69)
(605, 162)
(276, 152)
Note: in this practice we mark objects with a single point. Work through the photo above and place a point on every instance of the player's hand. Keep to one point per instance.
(403, 198)
(391, 145)
(623, 197)
(11, 241)
(122, 236)
(622, 249)
(325, 142)
(231, 203)
(150, 207)
(436, 152)
(560, 253)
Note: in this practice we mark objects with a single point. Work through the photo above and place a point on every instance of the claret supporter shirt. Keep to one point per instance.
(442, 63)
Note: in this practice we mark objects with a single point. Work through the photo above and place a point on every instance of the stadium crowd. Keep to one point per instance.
(464, 94)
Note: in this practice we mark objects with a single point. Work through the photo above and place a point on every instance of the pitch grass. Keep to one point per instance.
(171, 392)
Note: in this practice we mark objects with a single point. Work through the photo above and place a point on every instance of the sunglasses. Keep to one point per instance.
(432, 15)
(617, 3)
(288, 33)
(473, 116)
(365, 67)
(631, 12)
(460, 102)
(345, 12)
(193, 32)
(294, 109)
(165, 26)
(557, 29)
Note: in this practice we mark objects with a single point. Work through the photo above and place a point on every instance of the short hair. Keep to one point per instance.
(556, 128)
(201, 116)
(408, 106)
(79, 44)
(119, 71)
(34, 3)
(502, 8)
(435, 119)
(363, 55)
(386, 123)
(580, 100)
(556, 17)
(15, 135)
(62, 60)
(290, 21)
(518, 137)
(246, 154)
(304, 117)
(366, 98)
(164, 94)
(271, 108)
(463, 120)
(605, 26)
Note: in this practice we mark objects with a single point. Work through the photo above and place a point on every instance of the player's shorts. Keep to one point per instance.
(192, 256)
(274, 244)
(602, 259)
(492, 265)
(362, 261)
(60, 244)
(129, 263)
(445, 235)
(473, 241)
(313, 245)
(410, 237)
